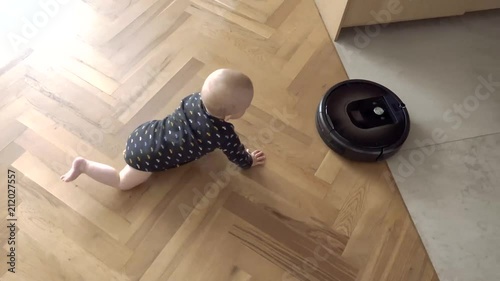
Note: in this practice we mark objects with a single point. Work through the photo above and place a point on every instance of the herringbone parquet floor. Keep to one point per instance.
(306, 215)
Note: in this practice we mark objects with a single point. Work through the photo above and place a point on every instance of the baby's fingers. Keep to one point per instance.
(261, 159)
(257, 152)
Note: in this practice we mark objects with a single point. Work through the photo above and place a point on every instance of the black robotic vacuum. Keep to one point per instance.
(362, 120)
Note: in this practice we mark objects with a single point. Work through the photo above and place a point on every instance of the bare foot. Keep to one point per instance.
(76, 170)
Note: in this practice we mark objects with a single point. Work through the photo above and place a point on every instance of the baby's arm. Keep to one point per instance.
(236, 152)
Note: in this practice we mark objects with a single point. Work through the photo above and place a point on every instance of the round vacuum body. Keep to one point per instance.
(362, 120)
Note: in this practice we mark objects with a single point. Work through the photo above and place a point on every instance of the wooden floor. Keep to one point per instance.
(305, 215)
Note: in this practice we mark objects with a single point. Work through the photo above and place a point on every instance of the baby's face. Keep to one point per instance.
(235, 116)
(239, 111)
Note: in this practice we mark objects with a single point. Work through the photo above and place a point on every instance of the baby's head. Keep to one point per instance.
(227, 94)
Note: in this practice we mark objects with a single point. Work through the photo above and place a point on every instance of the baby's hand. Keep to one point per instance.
(258, 157)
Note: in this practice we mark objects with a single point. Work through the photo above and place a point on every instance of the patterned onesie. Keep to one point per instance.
(183, 136)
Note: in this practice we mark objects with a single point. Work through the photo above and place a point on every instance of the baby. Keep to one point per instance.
(197, 127)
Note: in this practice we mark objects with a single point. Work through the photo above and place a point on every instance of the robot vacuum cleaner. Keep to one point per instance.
(362, 121)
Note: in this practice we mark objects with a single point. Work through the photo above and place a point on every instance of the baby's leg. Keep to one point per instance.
(126, 179)
(130, 177)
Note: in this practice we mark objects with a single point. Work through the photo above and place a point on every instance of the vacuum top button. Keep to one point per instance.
(378, 110)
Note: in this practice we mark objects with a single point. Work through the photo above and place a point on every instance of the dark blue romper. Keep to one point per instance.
(183, 136)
